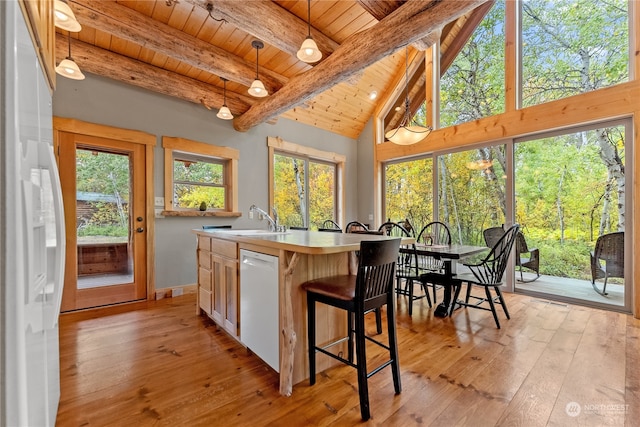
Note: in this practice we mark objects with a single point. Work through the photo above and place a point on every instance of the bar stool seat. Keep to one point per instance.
(371, 288)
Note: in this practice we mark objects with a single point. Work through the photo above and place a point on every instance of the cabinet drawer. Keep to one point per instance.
(204, 259)
(225, 248)
(204, 243)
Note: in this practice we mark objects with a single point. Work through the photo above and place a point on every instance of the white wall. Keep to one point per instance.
(104, 101)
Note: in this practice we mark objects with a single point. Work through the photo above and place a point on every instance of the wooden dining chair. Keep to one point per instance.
(355, 226)
(369, 289)
(407, 270)
(434, 233)
(330, 225)
(487, 274)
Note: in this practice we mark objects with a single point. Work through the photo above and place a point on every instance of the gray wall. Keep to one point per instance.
(366, 172)
(104, 101)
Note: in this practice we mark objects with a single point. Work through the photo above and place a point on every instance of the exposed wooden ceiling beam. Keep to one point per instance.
(102, 62)
(412, 21)
(379, 9)
(462, 36)
(270, 23)
(127, 24)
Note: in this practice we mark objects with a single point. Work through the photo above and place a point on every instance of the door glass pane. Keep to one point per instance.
(103, 183)
(409, 192)
(472, 192)
(570, 190)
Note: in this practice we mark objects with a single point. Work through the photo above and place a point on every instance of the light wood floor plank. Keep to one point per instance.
(158, 364)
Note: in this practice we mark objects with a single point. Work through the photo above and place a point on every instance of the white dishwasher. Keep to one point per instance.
(259, 329)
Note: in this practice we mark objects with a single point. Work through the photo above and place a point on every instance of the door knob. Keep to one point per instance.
(139, 219)
(139, 229)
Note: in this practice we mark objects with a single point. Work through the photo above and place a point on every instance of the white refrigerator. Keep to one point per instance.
(32, 238)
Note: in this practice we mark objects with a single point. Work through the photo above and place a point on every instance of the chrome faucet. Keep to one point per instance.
(273, 222)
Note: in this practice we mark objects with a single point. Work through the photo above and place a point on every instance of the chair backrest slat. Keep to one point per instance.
(376, 268)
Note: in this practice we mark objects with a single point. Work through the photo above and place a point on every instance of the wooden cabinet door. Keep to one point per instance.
(218, 301)
(231, 309)
(39, 15)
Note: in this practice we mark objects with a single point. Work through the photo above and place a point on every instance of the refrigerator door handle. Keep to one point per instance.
(53, 306)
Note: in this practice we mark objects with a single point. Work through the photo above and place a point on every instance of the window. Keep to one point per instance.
(471, 194)
(409, 192)
(199, 178)
(571, 47)
(473, 86)
(306, 184)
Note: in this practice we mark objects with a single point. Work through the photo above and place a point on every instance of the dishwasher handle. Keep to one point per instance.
(257, 262)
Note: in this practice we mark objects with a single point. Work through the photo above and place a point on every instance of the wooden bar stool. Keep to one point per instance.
(371, 288)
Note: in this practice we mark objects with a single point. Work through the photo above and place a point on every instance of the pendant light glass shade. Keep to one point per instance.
(408, 132)
(309, 51)
(257, 88)
(68, 68)
(64, 17)
(224, 113)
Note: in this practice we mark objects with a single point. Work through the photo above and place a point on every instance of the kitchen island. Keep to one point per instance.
(302, 256)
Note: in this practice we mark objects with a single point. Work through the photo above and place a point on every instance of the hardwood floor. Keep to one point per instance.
(158, 364)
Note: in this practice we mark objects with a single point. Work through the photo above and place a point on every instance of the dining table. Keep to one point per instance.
(449, 254)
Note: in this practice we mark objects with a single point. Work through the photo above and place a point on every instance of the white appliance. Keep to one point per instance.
(259, 305)
(32, 236)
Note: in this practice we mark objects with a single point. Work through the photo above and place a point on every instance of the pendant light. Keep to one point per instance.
(309, 51)
(64, 17)
(224, 113)
(68, 68)
(257, 89)
(408, 132)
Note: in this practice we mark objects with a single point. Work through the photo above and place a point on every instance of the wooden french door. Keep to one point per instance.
(103, 187)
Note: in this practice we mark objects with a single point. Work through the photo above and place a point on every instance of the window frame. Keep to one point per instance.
(277, 145)
(226, 156)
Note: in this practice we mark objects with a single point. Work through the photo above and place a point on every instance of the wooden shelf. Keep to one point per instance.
(201, 213)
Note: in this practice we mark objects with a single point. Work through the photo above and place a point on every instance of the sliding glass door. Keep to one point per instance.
(570, 190)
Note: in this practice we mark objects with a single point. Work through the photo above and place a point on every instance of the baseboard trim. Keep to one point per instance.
(176, 291)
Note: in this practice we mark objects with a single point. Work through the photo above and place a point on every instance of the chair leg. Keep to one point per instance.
(456, 294)
(378, 320)
(466, 300)
(410, 300)
(435, 299)
(311, 337)
(502, 303)
(350, 340)
(393, 347)
(363, 387)
(426, 292)
(492, 305)
(604, 288)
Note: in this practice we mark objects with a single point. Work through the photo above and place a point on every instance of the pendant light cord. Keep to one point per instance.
(69, 43)
(309, 17)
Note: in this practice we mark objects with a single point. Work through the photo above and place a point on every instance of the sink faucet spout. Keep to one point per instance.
(273, 225)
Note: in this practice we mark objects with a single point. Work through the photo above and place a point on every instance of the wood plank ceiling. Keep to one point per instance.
(181, 49)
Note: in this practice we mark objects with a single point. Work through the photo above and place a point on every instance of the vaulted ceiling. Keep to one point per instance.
(182, 48)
